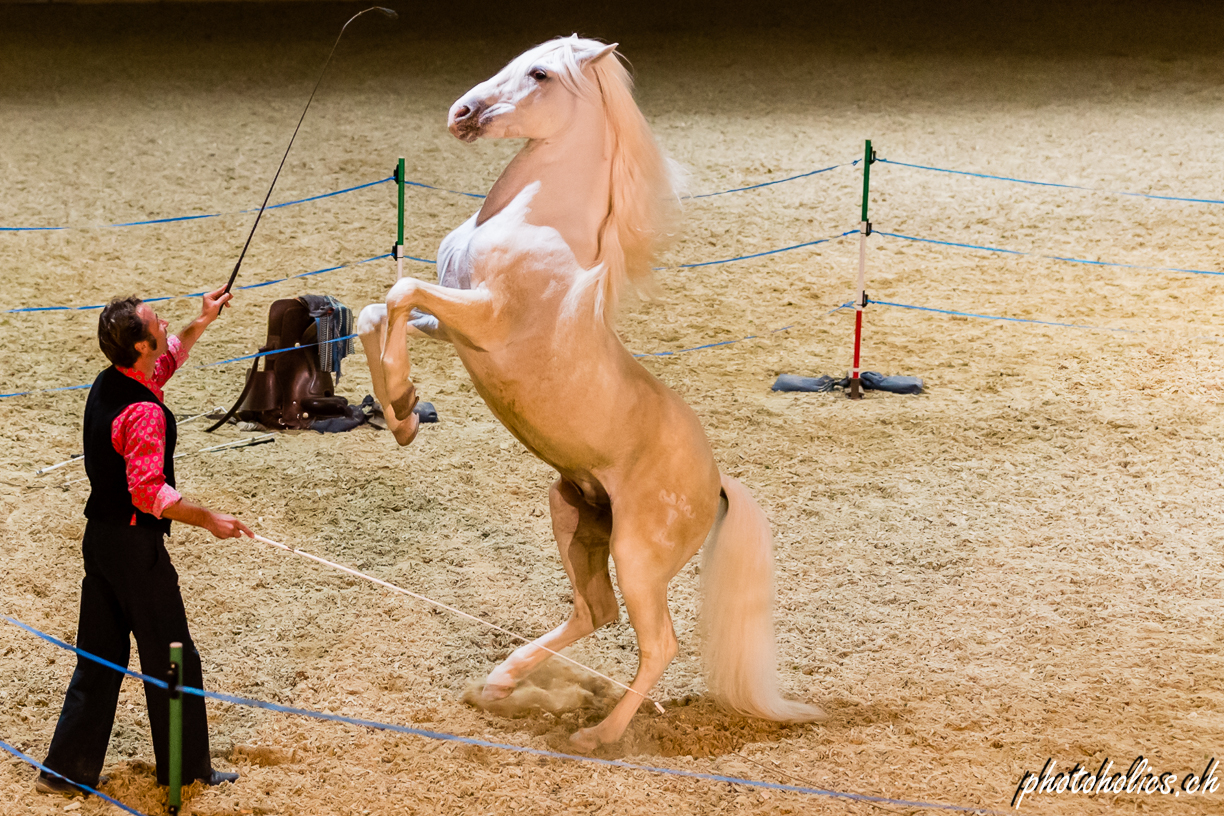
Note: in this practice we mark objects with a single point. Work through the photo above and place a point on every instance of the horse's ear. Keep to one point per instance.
(603, 52)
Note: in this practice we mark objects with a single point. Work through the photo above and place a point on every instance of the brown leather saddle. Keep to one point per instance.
(292, 390)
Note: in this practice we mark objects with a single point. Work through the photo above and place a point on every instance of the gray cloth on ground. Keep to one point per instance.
(870, 380)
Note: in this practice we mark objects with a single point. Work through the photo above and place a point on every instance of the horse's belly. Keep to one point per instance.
(561, 414)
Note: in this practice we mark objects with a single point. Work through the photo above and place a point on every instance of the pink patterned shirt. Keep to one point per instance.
(138, 434)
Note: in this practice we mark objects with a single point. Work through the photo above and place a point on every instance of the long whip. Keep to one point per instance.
(388, 12)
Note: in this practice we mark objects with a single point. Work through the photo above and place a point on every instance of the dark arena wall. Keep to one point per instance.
(1021, 564)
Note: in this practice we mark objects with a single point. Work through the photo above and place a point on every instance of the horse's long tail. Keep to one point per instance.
(737, 614)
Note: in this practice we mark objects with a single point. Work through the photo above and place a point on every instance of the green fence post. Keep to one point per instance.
(174, 799)
(860, 303)
(399, 241)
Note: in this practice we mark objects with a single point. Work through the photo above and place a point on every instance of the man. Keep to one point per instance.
(130, 587)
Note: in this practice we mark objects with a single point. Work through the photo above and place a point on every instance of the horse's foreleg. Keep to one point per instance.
(372, 328)
(467, 314)
(582, 534)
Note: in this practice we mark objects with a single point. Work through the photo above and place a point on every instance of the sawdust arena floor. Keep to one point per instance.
(1022, 563)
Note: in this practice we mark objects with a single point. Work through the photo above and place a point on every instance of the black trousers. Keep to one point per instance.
(130, 587)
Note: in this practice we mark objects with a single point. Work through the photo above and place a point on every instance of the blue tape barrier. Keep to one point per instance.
(519, 749)
(199, 217)
(1047, 257)
(31, 761)
(1051, 184)
(27, 309)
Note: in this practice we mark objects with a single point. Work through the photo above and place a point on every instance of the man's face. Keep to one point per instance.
(155, 330)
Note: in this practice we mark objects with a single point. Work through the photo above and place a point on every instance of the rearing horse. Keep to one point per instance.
(527, 294)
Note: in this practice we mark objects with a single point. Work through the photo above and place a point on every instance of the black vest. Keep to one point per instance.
(109, 497)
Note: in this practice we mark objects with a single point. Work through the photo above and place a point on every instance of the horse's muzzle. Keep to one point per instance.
(464, 121)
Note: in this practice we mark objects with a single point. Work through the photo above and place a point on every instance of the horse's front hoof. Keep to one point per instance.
(584, 741)
(407, 431)
(491, 693)
(403, 404)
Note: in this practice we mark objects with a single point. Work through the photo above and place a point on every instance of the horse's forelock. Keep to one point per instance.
(560, 54)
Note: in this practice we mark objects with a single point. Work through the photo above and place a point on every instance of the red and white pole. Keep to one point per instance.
(860, 302)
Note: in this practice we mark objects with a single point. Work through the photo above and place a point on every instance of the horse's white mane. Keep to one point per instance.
(644, 203)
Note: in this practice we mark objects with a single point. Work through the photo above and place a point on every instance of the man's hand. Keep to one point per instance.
(213, 303)
(223, 525)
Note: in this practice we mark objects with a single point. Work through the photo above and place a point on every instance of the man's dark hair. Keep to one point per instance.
(120, 328)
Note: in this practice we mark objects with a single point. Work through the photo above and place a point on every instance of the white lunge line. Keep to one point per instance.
(458, 612)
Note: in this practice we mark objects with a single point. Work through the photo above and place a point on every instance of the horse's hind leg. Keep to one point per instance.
(582, 532)
(372, 328)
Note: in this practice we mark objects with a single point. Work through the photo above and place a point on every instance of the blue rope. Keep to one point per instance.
(196, 368)
(198, 217)
(351, 336)
(1052, 184)
(648, 354)
(1048, 257)
(779, 181)
(327, 195)
(731, 342)
(197, 294)
(419, 260)
(45, 769)
(444, 190)
(445, 737)
(275, 351)
(44, 391)
(759, 254)
(709, 195)
(372, 184)
(999, 317)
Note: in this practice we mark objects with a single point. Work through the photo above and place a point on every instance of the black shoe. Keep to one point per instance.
(217, 777)
(62, 787)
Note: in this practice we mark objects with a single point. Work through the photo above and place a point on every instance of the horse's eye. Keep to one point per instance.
(539, 74)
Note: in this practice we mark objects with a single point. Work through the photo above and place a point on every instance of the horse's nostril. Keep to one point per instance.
(463, 113)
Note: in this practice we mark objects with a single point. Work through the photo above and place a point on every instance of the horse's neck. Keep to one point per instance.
(574, 172)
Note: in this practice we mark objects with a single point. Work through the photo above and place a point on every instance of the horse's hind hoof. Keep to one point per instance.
(584, 741)
(491, 693)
